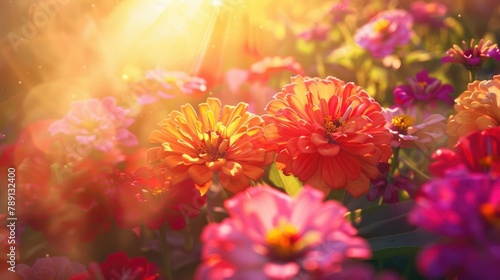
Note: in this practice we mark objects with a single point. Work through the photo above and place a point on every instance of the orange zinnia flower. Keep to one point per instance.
(478, 108)
(225, 141)
(330, 134)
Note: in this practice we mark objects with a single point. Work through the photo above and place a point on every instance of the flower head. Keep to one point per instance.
(262, 70)
(476, 152)
(413, 126)
(464, 209)
(317, 33)
(160, 84)
(120, 266)
(385, 32)
(142, 199)
(472, 56)
(423, 88)
(478, 108)
(98, 123)
(388, 188)
(227, 141)
(329, 134)
(338, 11)
(50, 268)
(432, 13)
(270, 235)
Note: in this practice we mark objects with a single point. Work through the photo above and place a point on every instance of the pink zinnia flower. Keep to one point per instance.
(263, 69)
(464, 208)
(477, 152)
(160, 84)
(472, 56)
(270, 235)
(100, 124)
(330, 134)
(338, 11)
(424, 89)
(385, 32)
(318, 33)
(414, 127)
(60, 268)
(432, 13)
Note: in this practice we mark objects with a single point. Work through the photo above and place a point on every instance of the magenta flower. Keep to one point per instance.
(388, 188)
(160, 84)
(464, 208)
(385, 32)
(423, 88)
(270, 235)
(60, 268)
(472, 56)
(338, 11)
(432, 13)
(494, 53)
(317, 33)
(100, 124)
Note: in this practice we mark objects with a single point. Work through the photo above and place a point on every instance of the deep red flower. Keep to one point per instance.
(120, 266)
(478, 152)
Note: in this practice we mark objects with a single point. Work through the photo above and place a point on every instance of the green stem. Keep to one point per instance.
(472, 75)
(188, 238)
(394, 163)
(164, 251)
(320, 65)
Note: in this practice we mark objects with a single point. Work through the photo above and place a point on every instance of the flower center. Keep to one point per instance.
(422, 84)
(431, 8)
(283, 240)
(491, 214)
(89, 124)
(213, 146)
(402, 122)
(158, 191)
(489, 161)
(332, 125)
(381, 25)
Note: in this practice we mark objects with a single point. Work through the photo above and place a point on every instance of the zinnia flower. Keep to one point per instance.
(423, 88)
(385, 32)
(495, 53)
(100, 124)
(120, 266)
(413, 126)
(270, 235)
(464, 208)
(317, 33)
(477, 152)
(160, 84)
(227, 141)
(329, 134)
(142, 199)
(388, 187)
(478, 108)
(60, 268)
(432, 13)
(339, 11)
(472, 56)
(262, 70)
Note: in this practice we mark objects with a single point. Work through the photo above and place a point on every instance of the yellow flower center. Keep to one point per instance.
(381, 25)
(491, 213)
(422, 84)
(283, 240)
(89, 124)
(332, 125)
(402, 122)
(213, 146)
(158, 191)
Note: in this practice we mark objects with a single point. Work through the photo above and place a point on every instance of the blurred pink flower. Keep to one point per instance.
(494, 53)
(263, 69)
(463, 208)
(423, 88)
(384, 32)
(431, 13)
(413, 126)
(160, 84)
(472, 56)
(338, 11)
(100, 124)
(60, 268)
(317, 33)
(270, 235)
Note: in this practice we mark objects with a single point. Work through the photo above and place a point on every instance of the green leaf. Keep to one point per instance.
(400, 244)
(394, 252)
(289, 183)
(417, 56)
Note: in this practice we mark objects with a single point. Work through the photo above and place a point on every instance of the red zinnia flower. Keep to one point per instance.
(330, 134)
